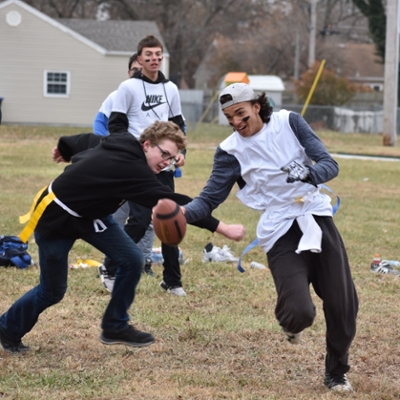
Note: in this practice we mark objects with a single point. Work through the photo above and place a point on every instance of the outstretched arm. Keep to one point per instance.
(225, 173)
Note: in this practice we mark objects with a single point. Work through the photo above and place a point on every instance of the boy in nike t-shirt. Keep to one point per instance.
(140, 101)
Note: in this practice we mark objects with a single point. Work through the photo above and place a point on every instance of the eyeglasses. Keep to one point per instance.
(165, 155)
(134, 69)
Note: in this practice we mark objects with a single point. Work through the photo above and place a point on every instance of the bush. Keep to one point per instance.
(330, 90)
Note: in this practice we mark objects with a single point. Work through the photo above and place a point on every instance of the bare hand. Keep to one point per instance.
(233, 231)
(57, 157)
(180, 160)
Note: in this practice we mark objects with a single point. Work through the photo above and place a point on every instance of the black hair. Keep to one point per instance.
(148, 41)
(132, 59)
(266, 108)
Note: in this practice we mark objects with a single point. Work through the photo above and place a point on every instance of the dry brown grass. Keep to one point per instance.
(222, 341)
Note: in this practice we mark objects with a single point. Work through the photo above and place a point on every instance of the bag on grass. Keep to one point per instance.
(13, 252)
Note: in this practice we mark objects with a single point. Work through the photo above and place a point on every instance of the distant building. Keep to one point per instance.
(59, 71)
(361, 65)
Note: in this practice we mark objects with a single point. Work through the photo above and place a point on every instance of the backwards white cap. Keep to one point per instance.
(236, 93)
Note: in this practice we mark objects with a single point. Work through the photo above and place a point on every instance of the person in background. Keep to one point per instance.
(100, 123)
(140, 101)
(278, 163)
(100, 127)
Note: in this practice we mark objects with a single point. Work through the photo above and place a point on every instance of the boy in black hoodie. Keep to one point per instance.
(79, 204)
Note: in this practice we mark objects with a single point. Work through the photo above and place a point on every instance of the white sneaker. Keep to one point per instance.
(257, 265)
(216, 254)
(338, 383)
(175, 290)
(226, 252)
(293, 338)
(384, 268)
(106, 279)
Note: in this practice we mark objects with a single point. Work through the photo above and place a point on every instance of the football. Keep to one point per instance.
(169, 222)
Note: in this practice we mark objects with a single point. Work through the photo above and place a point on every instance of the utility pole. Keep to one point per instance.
(391, 74)
(297, 55)
(313, 30)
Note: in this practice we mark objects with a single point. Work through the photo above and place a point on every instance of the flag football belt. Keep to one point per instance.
(254, 243)
(37, 210)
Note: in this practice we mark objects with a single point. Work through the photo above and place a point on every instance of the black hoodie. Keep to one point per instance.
(95, 185)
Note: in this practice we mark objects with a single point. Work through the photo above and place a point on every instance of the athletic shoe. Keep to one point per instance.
(216, 254)
(12, 346)
(384, 268)
(338, 383)
(176, 290)
(129, 337)
(107, 280)
(147, 267)
(293, 338)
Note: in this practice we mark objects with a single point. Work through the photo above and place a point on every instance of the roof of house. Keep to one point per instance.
(109, 36)
(114, 36)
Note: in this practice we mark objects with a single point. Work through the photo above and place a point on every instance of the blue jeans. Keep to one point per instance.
(53, 258)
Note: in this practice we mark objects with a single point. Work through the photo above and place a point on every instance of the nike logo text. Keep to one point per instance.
(151, 102)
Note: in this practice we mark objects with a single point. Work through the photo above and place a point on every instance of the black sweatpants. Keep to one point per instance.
(138, 222)
(329, 273)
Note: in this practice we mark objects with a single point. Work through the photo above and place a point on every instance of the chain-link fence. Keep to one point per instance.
(367, 119)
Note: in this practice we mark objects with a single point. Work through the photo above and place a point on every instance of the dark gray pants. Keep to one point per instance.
(329, 274)
(138, 222)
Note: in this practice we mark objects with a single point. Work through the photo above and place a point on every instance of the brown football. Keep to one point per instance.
(169, 222)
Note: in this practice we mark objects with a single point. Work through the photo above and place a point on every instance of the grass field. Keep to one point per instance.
(221, 341)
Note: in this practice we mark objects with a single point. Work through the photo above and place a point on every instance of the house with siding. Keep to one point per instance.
(59, 71)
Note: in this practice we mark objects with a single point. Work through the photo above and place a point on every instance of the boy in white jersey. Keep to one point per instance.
(276, 159)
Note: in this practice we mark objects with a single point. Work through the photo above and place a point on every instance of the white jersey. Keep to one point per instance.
(106, 106)
(261, 157)
(144, 103)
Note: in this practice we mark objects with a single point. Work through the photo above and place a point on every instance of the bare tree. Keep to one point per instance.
(66, 8)
(188, 27)
(260, 34)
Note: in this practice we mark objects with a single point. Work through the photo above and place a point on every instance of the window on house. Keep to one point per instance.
(56, 83)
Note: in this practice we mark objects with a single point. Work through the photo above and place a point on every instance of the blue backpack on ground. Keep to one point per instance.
(13, 252)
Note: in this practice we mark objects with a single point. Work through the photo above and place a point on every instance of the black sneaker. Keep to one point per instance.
(128, 337)
(12, 346)
(147, 268)
(338, 383)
